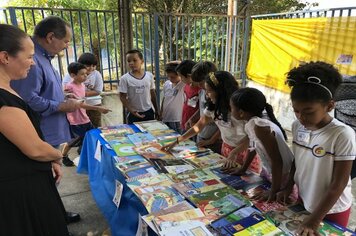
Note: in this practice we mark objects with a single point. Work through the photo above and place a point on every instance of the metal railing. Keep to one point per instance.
(161, 37)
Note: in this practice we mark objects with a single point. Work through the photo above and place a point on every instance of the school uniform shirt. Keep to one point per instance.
(232, 130)
(94, 82)
(138, 90)
(210, 129)
(173, 101)
(191, 103)
(257, 144)
(315, 153)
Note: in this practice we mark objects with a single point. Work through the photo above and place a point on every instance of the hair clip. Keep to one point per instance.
(213, 78)
(315, 80)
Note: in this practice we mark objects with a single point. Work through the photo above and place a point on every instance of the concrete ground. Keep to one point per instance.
(76, 196)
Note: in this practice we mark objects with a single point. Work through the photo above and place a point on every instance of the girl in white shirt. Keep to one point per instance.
(266, 138)
(324, 148)
(219, 87)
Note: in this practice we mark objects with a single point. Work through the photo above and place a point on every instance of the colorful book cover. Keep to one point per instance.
(164, 221)
(168, 134)
(328, 228)
(262, 205)
(139, 139)
(263, 227)
(188, 188)
(190, 228)
(173, 166)
(212, 159)
(180, 206)
(115, 138)
(218, 172)
(237, 215)
(159, 198)
(151, 125)
(152, 180)
(195, 175)
(243, 182)
(219, 201)
(130, 162)
(244, 223)
(153, 151)
(122, 129)
(191, 153)
(124, 149)
(141, 171)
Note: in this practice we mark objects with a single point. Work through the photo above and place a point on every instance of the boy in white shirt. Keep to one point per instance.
(173, 98)
(137, 90)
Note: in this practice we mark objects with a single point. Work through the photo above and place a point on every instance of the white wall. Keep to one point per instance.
(280, 102)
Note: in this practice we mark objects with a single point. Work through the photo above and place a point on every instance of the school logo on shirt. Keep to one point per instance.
(318, 151)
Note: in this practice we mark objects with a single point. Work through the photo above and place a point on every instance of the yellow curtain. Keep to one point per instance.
(281, 44)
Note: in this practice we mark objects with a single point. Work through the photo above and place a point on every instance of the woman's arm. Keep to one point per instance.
(17, 127)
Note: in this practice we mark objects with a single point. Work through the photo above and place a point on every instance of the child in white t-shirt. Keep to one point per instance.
(266, 138)
(137, 90)
(324, 148)
(173, 98)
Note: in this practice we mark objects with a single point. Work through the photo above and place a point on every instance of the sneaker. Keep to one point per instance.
(67, 162)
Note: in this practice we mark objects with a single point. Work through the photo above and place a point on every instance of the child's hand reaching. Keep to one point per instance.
(309, 226)
(283, 196)
(137, 114)
(268, 196)
(103, 110)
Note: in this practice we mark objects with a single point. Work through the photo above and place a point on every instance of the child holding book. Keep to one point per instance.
(78, 119)
(323, 147)
(266, 138)
(219, 87)
(173, 98)
(94, 86)
(191, 94)
(137, 90)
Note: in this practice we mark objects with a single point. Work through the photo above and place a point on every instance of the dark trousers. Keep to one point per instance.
(149, 115)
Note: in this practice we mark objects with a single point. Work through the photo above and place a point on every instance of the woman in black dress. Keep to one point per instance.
(30, 168)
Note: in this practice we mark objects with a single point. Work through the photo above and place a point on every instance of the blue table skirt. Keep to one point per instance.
(123, 220)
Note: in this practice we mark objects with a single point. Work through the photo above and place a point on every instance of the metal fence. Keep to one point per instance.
(161, 37)
(333, 12)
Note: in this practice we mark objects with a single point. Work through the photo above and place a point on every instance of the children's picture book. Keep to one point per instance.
(139, 139)
(218, 172)
(212, 159)
(115, 138)
(195, 175)
(125, 149)
(288, 219)
(146, 181)
(163, 222)
(194, 152)
(219, 202)
(244, 182)
(180, 206)
(253, 225)
(172, 166)
(122, 130)
(151, 125)
(218, 225)
(153, 150)
(135, 173)
(188, 188)
(188, 228)
(159, 197)
(263, 206)
(130, 162)
(168, 134)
